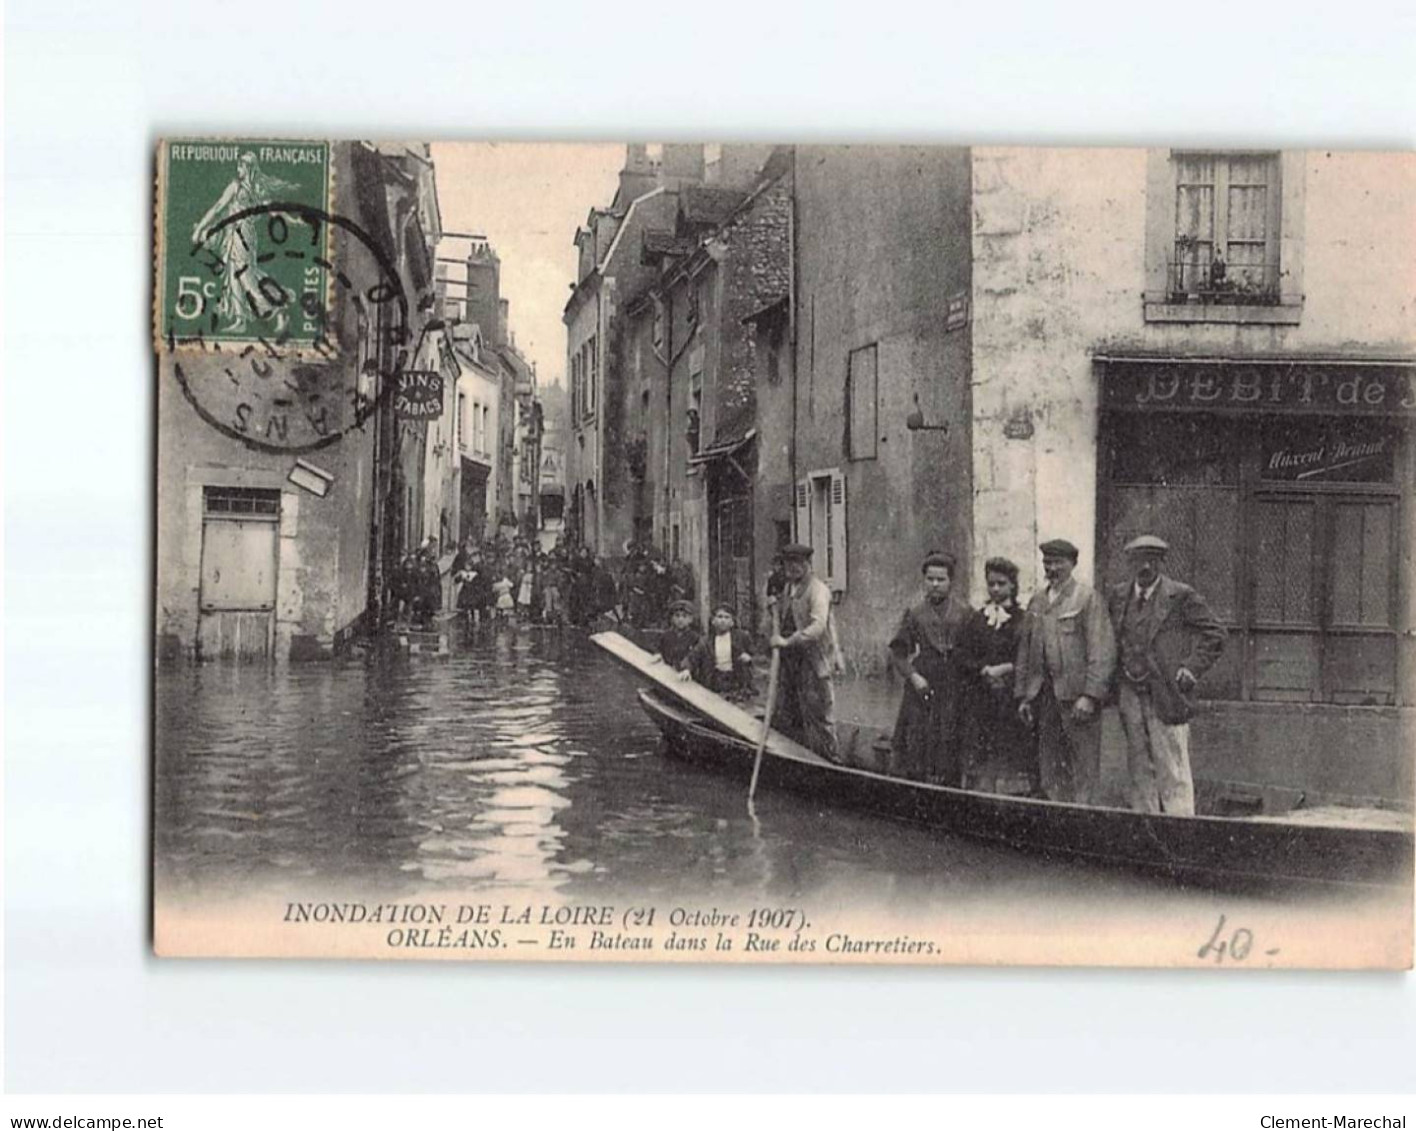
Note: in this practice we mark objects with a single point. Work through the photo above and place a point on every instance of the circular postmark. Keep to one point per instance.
(262, 362)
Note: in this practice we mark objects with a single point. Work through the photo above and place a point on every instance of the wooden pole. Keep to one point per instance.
(773, 674)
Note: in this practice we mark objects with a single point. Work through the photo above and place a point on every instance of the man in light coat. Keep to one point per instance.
(806, 702)
(1168, 639)
(1066, 658)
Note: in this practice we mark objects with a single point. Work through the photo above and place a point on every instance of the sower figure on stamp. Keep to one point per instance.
(1066, 658)
(806, 702)
(923, 652)
(1168, 639)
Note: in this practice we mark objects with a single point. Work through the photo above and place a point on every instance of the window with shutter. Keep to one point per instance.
(821, 513)
(803, 512)
(838, 545)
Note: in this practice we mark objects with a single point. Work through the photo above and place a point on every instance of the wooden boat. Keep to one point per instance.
(1367, 847)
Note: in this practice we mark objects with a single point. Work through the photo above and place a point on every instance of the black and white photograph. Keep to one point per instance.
(787, 553)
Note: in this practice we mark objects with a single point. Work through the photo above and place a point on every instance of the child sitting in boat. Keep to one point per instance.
(678, 640)
(722, 660)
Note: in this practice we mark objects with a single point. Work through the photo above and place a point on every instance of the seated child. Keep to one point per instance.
(722, 660)
(677, 641)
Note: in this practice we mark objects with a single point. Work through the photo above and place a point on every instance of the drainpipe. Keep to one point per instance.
(668, 411)
(792, 292)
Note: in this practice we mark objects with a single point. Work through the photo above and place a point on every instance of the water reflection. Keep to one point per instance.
(522, 762)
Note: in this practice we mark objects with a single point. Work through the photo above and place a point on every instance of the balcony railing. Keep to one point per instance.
(1192, 278)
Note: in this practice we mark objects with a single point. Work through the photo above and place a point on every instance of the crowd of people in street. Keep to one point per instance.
(516, 581)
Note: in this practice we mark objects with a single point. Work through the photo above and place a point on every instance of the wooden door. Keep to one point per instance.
(238, 587)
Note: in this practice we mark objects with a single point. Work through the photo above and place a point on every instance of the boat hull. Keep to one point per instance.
(1239, 850)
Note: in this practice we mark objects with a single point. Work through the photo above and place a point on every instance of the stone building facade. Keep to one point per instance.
(1216, 347)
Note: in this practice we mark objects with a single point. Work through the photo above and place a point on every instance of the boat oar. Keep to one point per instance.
(773, 674)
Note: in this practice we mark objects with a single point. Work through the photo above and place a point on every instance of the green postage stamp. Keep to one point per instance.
(243, 250)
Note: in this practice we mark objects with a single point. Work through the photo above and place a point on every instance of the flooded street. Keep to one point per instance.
(523, 762)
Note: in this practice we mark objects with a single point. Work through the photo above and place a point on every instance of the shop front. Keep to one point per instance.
(1284, 489)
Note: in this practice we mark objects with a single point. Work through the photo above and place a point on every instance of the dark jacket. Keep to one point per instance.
(674, 646)
(702, 664)
(1183, 634)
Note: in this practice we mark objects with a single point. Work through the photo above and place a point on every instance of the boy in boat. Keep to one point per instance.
(1066, 658)
(722, 660)
(1168, 639)
(679, 639)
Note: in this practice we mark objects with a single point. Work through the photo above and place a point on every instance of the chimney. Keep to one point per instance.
(683, 163)
(484, 292)
(638, 175)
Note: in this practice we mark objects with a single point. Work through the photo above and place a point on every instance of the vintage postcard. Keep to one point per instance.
(779, 553)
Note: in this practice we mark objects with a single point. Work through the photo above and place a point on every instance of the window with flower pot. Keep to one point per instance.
(1215, 235)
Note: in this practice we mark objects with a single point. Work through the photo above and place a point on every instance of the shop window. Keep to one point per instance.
(1177, 476)
(1288, 525)
(1306, 450)
(1173, 450)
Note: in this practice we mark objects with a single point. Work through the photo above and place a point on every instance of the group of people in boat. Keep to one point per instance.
(1001, 698)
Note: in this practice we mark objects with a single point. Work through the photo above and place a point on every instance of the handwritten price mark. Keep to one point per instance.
(1235, 947)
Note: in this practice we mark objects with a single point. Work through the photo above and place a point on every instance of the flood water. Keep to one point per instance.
(522, 761)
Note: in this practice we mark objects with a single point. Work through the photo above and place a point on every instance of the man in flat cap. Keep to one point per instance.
(1168, 639)
(1066, 658)
(806, 702)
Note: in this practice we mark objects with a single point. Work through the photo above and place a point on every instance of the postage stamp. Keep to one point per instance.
(231, 268)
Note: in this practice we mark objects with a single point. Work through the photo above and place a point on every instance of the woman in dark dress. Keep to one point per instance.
(926, 742)
(999, 753)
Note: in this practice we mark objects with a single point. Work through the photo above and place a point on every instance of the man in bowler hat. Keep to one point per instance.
(806, 701)
(1066, 658)
(1168, 639)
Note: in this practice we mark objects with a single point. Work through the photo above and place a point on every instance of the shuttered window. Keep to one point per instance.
(822, 525)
